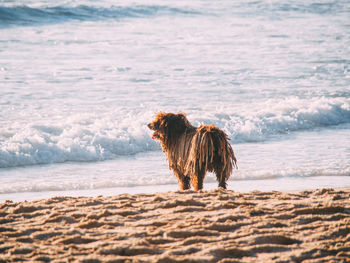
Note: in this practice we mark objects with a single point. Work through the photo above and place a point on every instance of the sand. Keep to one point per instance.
(206, 226)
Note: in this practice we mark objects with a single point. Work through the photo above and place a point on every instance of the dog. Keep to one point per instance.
(193, 151)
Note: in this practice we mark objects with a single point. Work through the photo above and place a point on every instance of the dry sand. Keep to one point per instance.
(205, 226)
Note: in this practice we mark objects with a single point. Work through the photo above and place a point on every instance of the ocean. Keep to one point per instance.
(80, 80)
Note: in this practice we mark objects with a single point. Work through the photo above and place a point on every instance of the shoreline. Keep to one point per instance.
(284, 184)
(185, 226)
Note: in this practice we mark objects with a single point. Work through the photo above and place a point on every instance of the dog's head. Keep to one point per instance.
(168, 126)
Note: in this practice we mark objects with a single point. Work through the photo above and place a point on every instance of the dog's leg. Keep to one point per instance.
(220, 176)
(197, 181)
(184, 181)
(223, 184)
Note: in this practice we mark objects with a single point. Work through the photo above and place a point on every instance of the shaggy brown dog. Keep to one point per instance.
(193, 151)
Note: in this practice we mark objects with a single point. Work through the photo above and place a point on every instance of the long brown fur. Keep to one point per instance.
(192, 151)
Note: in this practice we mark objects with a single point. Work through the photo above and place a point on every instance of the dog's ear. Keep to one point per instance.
(183, 121)
(176, 124)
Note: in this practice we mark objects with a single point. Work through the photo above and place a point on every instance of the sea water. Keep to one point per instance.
(80, 80)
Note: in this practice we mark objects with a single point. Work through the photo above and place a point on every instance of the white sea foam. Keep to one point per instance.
(82, 138)
(90, 137)
(287, 115)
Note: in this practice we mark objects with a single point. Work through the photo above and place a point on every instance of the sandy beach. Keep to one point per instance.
(206, 226)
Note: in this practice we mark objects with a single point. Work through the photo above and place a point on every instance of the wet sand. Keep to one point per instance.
(207, 226)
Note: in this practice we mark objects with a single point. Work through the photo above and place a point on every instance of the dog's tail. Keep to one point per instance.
(211, 151)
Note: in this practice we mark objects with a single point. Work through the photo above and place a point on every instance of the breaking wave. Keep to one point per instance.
(92, 138)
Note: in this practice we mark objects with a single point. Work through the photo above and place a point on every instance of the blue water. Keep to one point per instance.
(79, 81)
